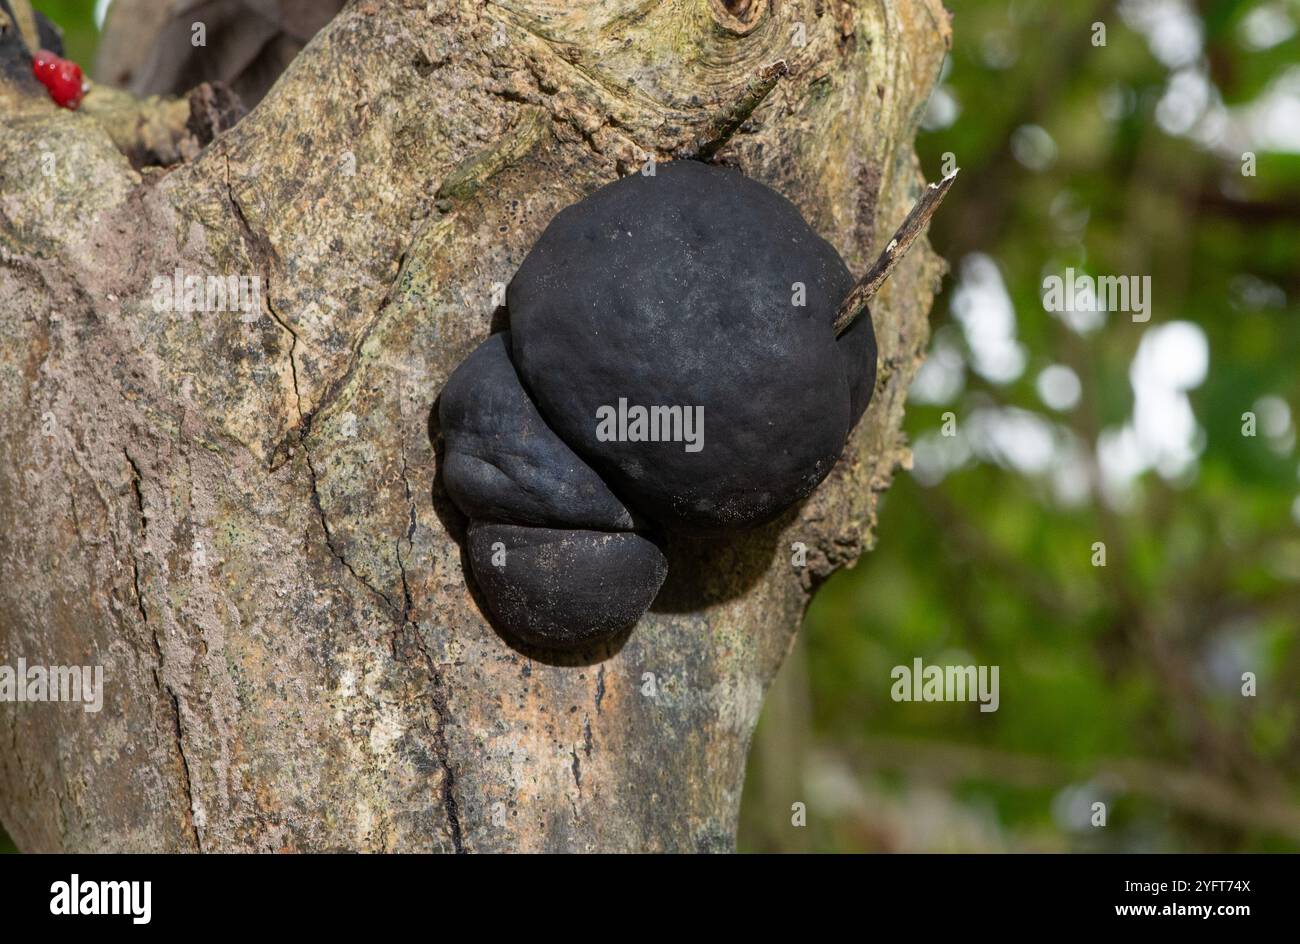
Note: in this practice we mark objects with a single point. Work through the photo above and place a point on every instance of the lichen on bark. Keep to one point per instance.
(239, 515)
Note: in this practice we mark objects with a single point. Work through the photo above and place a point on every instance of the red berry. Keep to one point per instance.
(61, 76)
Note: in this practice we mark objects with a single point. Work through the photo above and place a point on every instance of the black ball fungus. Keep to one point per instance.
(564, 589)
(701, 290)
(550, 545)
(503, 463)
(672, 363)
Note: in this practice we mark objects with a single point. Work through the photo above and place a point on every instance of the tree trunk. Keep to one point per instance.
(239, 516)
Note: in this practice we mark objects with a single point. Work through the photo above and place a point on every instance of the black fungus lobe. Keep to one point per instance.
(696, 289)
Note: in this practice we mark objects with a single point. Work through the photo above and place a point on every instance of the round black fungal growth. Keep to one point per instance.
(672, 362)
(857, 351)
(683, 290)
(503, 463)
(564, 589)
(551, 547)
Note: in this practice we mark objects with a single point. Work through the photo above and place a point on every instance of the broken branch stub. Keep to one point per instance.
(855, 303)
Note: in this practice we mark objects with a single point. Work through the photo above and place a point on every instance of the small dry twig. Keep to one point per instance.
(855, 303)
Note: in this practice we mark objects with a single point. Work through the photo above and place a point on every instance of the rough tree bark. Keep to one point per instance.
(242, 522)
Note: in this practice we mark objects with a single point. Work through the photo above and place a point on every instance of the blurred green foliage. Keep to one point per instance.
(1123, 683)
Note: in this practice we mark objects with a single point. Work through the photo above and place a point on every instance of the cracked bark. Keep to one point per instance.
(272, 580)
